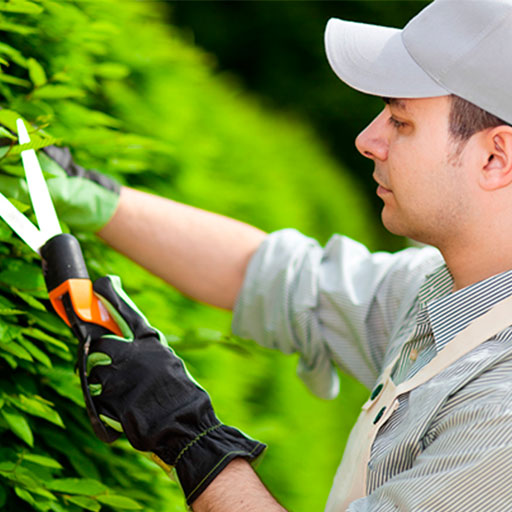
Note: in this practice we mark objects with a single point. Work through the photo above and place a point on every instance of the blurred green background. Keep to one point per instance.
(275, 49)
(227, 106)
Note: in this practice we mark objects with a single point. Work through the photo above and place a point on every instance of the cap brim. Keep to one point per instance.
(373, 60)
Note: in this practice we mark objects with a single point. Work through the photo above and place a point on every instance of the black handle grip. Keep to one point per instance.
(62, 260)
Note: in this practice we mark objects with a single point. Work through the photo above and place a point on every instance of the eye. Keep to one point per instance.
(395, 123)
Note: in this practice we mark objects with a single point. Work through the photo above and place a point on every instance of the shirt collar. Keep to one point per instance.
(450, 312)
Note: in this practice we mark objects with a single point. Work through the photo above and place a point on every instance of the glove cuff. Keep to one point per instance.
(203, 458)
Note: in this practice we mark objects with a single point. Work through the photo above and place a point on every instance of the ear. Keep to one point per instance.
(496, 168)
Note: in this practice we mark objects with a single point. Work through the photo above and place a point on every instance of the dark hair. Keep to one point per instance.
(467, 119)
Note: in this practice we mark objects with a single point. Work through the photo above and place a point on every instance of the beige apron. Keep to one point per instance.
(350, 480)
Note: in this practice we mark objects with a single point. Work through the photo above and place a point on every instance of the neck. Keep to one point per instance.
(478, 261)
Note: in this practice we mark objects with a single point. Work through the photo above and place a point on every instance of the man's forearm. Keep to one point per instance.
(237, 488)
(202, 254)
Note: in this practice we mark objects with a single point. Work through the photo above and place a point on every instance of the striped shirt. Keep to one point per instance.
(449, 444)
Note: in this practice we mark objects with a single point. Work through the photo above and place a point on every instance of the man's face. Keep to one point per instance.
(421, 180)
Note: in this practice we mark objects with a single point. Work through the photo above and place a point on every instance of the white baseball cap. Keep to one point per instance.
(461, 47)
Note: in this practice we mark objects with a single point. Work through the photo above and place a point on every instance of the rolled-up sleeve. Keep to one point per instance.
(334, 305)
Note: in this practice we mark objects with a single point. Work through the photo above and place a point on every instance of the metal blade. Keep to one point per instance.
(34, 238)
(38, 190)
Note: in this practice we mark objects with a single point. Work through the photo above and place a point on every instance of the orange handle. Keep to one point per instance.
(85, 304)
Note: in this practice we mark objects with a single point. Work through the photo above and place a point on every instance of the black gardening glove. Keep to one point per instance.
(140, 383)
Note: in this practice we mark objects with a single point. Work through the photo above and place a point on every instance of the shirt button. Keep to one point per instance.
(379, 415)
(413, 355)
(376, 392)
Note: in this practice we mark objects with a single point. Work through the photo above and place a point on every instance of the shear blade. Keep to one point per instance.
(40, 196)
(34, 238)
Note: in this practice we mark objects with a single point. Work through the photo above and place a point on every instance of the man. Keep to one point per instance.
(427, 329)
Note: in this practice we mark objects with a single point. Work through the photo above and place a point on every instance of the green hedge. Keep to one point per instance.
(133, 98)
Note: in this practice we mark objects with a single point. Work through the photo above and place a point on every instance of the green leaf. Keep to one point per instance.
(35, 352)
(53, 92)
(82, 463)
(36, 143)
(8, 307)
(6, 233)
(14, 80)
(51, 322)
(16, 350)
(14, 169)
(42, 460)
(42, 336)
(84, 502)
(22, 275)
(53, 345)
(6, 133)
(82, 486)
(21, 7)
(11, 361)
(66, 383)
(19, 205)
(41, 491)
(8, 117)
(36, 73)
(18, 425)
(112, 70)
(15, 55)
(57, 507)
(16, 28)
(24, 495)
(10, 311)
(114, 500)
(9, 331)
(61, 76)
(7, 467)
(31, 301)
(4, 150)
(24, 477)
(36, 407)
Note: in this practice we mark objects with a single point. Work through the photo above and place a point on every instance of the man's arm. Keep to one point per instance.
(236, 488)
(202, 254)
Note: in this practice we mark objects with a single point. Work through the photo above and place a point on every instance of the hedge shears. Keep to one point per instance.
(65, 273)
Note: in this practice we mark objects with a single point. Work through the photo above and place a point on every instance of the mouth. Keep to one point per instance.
(381, 189)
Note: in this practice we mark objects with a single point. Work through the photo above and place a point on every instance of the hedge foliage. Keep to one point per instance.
(131, 97)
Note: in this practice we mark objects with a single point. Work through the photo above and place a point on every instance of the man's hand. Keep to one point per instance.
(84, 199)
(141, 386)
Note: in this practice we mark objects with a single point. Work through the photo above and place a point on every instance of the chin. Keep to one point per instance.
(390, 223)
(399, 228)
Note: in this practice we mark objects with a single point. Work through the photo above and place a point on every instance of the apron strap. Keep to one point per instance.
(499, 317)
(350, 480)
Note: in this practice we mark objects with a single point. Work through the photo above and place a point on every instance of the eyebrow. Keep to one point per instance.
(396, 102)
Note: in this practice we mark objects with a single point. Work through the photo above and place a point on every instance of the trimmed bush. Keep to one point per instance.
(133, 98)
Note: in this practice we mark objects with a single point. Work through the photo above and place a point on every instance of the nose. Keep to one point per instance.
(373, 142)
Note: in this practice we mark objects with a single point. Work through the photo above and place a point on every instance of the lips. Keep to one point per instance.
(381, 189)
